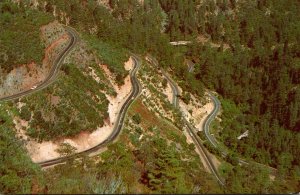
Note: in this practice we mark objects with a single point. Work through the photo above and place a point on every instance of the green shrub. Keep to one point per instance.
(137, 118)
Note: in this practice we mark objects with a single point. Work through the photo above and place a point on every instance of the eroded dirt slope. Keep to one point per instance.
(26, 76)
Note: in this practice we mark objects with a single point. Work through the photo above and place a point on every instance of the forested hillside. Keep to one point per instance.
(247, 51)
(255, 65)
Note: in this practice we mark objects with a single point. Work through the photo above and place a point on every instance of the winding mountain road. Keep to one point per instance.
(136, 89)
(214, 142)
(206, 127)
(207, 123)
(210, 118)
(190, 128)
(53, 72)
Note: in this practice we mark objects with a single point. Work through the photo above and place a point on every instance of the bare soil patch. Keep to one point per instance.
(47, 150)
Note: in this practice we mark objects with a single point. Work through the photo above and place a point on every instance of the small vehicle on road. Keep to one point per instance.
(33, 87)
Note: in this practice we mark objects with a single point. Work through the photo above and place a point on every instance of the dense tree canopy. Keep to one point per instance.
(254, 62)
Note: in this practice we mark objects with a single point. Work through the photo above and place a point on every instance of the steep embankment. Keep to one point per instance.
(79, 108)
(85, 139)
(155, 145)
(22, 50)
(81, 105)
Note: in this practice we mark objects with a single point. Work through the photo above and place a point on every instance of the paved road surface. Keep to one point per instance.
(136, 89)
(214, 142)
(53, 72)
(191, 130)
